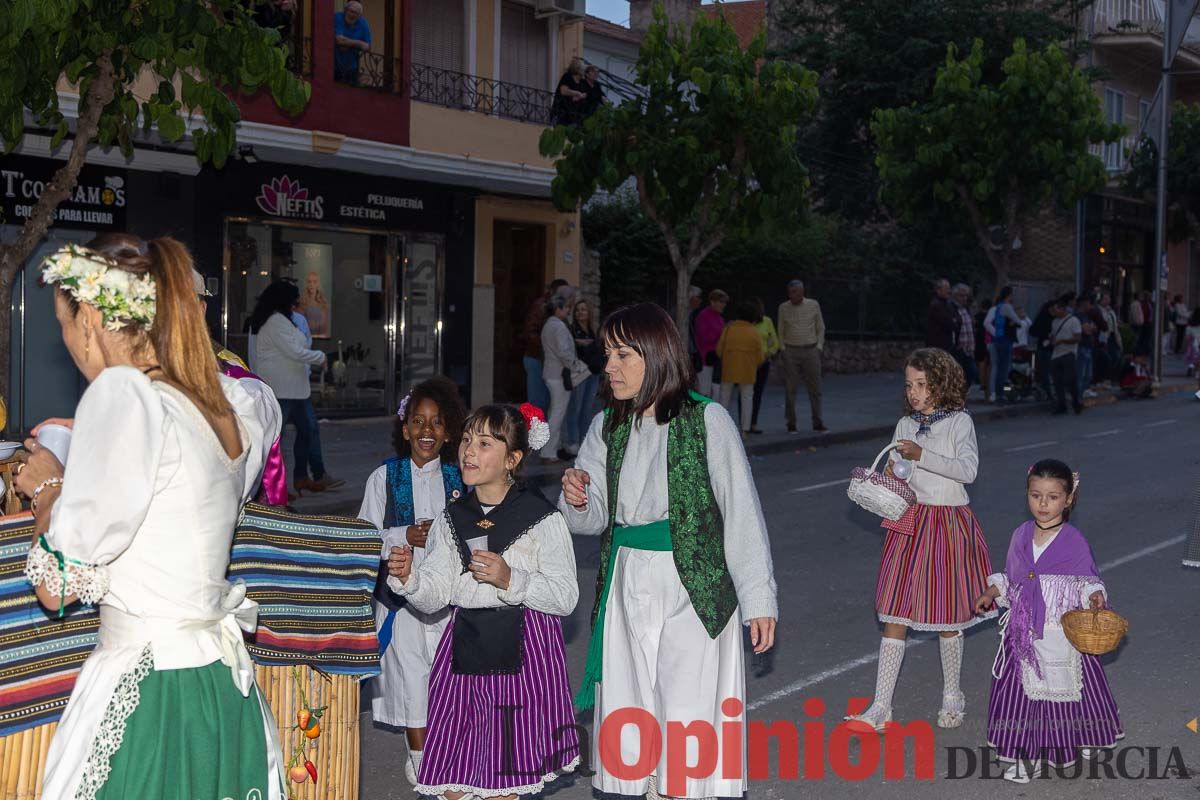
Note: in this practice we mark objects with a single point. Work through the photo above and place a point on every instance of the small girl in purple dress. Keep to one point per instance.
(1048, 699)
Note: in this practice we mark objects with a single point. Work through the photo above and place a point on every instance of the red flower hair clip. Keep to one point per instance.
(535, 423)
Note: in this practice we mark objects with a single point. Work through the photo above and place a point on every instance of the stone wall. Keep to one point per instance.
(845, 358)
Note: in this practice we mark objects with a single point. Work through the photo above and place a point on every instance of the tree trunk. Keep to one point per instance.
(6, 283)
(683, 282)
(12, 256)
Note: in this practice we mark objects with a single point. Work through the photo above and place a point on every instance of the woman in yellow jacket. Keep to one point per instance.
(741, 353)
(771, 348)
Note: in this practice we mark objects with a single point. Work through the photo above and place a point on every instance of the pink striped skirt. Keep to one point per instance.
(930, 580)
(494, 735)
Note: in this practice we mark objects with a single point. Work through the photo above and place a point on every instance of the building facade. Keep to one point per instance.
(408, 200)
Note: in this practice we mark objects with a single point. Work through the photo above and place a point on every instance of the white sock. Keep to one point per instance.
(952, 656)
(415, 757)
(891, 656)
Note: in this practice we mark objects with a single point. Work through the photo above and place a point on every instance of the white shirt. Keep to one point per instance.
(283, 360)
(542, 564)
(429, 501)
(949, 459)
(643, 499)
(1038, 549)
(1068, 327)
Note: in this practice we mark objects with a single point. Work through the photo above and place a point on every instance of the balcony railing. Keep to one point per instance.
(438, 86)
(452, 89)
(1115, 155)
(1138, 17)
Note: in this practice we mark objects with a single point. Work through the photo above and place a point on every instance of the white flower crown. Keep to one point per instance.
(121, 297)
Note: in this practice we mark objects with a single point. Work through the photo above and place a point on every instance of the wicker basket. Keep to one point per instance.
(1094, 632)
(881, 494)
(23, 762)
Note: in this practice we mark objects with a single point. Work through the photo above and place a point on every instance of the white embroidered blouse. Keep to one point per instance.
(949, 459)
(542, 562)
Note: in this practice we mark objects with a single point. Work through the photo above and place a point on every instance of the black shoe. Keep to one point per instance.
(756, 431)
(791, 429)
(820, 428)
(1078, 410)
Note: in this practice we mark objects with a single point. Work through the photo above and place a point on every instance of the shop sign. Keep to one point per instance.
(96, 203)
(299, 193)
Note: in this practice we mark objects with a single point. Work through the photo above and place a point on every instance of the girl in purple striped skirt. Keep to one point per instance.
(935, 561)
(501, 722)
(1048, 699)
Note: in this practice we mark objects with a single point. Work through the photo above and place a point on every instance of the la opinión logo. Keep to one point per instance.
(803, 751)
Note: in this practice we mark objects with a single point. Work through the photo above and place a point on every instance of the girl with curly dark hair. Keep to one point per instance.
(935, 560)
(402, 499)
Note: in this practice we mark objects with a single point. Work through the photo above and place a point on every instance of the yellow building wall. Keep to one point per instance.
(477, 135)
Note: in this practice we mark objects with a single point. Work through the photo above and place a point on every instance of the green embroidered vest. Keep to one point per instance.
(697, 528)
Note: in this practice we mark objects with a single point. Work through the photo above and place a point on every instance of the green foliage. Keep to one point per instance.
(711, 148)
(877, 54)
(1183, 172)
(212, 48)
(872, 282)
(994, 152)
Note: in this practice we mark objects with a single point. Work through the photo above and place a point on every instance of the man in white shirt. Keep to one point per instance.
(1065, 333)
(802, 333)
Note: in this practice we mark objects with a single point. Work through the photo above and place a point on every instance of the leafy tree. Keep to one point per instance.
(137, 65)
(994, 152)
(710, 148)
(873, 54)
(1183, 172)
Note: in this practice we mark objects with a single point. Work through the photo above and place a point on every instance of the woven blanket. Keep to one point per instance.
(40, 655)
(312, 578)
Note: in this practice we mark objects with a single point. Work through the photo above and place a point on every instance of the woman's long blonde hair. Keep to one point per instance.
(179, 337)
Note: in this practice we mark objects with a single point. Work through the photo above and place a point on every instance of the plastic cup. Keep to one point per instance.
(56, 439)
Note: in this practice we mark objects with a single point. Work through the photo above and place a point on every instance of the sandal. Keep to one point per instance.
(875, 718)
(953, 711)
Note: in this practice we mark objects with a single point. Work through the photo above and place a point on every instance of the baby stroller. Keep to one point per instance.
(1022, 383)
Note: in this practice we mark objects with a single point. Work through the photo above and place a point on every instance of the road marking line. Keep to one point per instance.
(1029, 447)
(1160, 423)
(816, 486)
(1145, 551)
(919, 638)
(1113, 432)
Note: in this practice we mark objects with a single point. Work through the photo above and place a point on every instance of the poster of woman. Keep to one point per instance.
(314, 269)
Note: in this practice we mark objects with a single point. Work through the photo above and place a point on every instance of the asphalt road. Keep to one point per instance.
(1139, 464)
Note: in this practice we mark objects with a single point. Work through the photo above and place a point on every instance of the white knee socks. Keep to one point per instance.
(953, 701)
(891, 656)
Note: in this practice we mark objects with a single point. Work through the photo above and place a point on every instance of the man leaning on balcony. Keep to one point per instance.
(353, 38)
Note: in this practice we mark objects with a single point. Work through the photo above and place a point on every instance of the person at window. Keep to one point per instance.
(593, 91)
(353, 38)
(570, 96)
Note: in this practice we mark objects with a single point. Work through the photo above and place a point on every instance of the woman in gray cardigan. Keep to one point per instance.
(558, 347)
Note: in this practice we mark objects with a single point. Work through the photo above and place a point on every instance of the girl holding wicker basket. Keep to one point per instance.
(1048, 698)
(935, 561)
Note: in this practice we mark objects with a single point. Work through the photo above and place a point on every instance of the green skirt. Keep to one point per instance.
(192, 736)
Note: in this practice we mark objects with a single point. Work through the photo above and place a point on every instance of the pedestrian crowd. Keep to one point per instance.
(1073, 348)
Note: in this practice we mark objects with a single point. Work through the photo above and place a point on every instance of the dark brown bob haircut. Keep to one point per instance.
(649, 331)
(945, 377)
(506, 424)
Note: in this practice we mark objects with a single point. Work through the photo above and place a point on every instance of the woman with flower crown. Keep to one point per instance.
(684, 558)
(140, 520)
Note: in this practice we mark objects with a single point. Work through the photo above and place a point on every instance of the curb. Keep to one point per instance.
(876, 432)
(348, 505)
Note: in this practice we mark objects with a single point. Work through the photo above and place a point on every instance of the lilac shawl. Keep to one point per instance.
(1068, 554)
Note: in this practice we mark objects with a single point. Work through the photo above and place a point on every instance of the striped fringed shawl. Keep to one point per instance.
(40, 655)
(312, 578)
